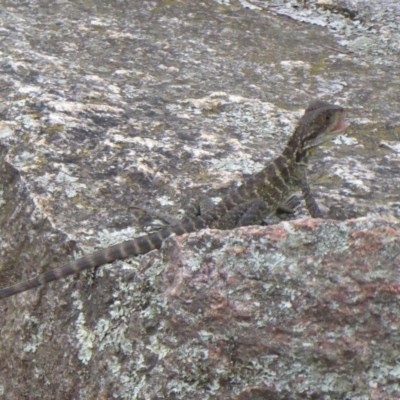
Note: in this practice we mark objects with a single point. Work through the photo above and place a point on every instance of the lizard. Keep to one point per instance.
(247, 204)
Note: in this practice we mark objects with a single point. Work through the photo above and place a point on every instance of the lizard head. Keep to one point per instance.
(321, 122)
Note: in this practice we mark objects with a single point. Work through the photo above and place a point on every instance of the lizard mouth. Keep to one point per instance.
(341, 126)
(338, 128)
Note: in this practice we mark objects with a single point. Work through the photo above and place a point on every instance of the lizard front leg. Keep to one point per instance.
(311, 204)
(301, 181)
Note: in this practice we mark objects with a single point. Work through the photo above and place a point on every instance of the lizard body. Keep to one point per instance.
(248, 204)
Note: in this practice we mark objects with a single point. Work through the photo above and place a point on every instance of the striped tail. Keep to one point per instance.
(140, 245)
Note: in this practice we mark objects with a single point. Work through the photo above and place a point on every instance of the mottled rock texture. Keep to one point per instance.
(107, 105)
(303, 309)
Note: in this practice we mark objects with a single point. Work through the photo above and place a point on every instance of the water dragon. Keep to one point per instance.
(258, 196)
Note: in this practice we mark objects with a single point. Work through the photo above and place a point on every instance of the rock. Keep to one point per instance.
(110, 105)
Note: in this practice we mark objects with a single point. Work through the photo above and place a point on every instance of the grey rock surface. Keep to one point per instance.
(108, 105)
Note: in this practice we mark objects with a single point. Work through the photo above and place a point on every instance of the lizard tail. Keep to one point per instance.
(140, 245)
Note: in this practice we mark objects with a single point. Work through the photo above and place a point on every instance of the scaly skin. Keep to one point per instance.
(258, 196)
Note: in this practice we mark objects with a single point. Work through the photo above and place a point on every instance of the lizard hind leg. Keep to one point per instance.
(251, 212)
(206, 205)
(163, 219)
(202, 207)
(289, 205)
(255, 212)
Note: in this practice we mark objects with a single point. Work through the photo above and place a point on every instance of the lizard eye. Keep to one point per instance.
(327, 118)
